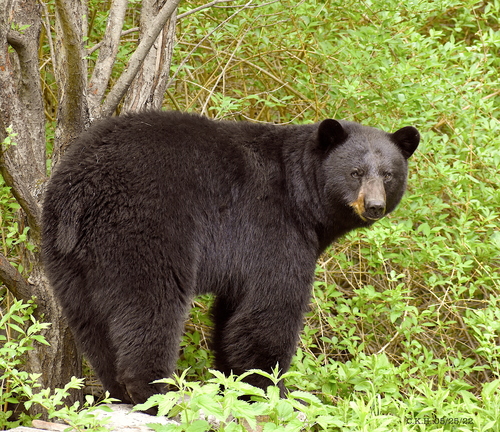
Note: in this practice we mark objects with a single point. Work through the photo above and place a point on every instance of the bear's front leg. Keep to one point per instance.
(261, 332)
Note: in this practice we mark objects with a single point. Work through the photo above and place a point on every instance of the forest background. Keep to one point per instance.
(404, 328)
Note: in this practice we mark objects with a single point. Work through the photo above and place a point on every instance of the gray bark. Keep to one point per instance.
(21, 106)
(148, 87)
(71, 73)
(107, 55)
(151, 33)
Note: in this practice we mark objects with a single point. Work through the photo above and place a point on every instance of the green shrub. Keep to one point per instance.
(402, 323)
(19, 390)
(18, 331)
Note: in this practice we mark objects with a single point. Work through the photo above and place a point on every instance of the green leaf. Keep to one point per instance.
(304, 396)
(16, 327)
(284, 409)
(41, 339)
(166, 428)
(490, 388)
(208, 405)
(198, 426)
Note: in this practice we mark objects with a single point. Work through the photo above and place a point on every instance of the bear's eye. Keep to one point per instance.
(357, 173)
(387, 176)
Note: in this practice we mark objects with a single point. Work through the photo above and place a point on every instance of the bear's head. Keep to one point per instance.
(365, 168)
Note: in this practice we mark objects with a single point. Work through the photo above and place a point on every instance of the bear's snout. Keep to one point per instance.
(374, 209)
(374, 198)
(370, 203)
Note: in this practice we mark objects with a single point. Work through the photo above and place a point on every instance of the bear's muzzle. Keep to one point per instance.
(370, 204)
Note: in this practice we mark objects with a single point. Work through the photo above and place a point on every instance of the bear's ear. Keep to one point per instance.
(407, 140)
(330, 134)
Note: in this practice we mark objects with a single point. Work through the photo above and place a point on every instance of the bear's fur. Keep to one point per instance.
(147, 210)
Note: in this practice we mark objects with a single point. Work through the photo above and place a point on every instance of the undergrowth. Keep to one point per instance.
(403, 332)
(403, 323)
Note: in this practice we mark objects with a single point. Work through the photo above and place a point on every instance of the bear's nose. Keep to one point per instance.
(374, 209)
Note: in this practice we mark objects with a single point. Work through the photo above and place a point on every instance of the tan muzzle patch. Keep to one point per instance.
(359, 204)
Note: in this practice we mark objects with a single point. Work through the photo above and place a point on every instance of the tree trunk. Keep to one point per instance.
(23, 169)
(61, 359)
(21, 106)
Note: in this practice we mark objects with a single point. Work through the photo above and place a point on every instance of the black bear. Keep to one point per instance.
(147, 210)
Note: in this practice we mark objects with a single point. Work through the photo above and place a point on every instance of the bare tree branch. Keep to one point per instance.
(48, 32)
(71, 73)
(107, 56)
(118, 91)
(183, 15)
(147, 90)
(205, 6)
(13, 280)
(124, 33)
(247, 5)
(21, 191)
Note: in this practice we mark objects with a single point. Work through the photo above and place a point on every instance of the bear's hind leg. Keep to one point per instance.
(100, 352)
(90, 327)
(147, 338)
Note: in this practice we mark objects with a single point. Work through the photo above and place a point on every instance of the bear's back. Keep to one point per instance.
(162, 173)
(156, 144)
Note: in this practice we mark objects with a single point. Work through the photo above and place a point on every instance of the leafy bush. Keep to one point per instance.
(19, 331)
(402, 323)
(15, 342)
(217, 404)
